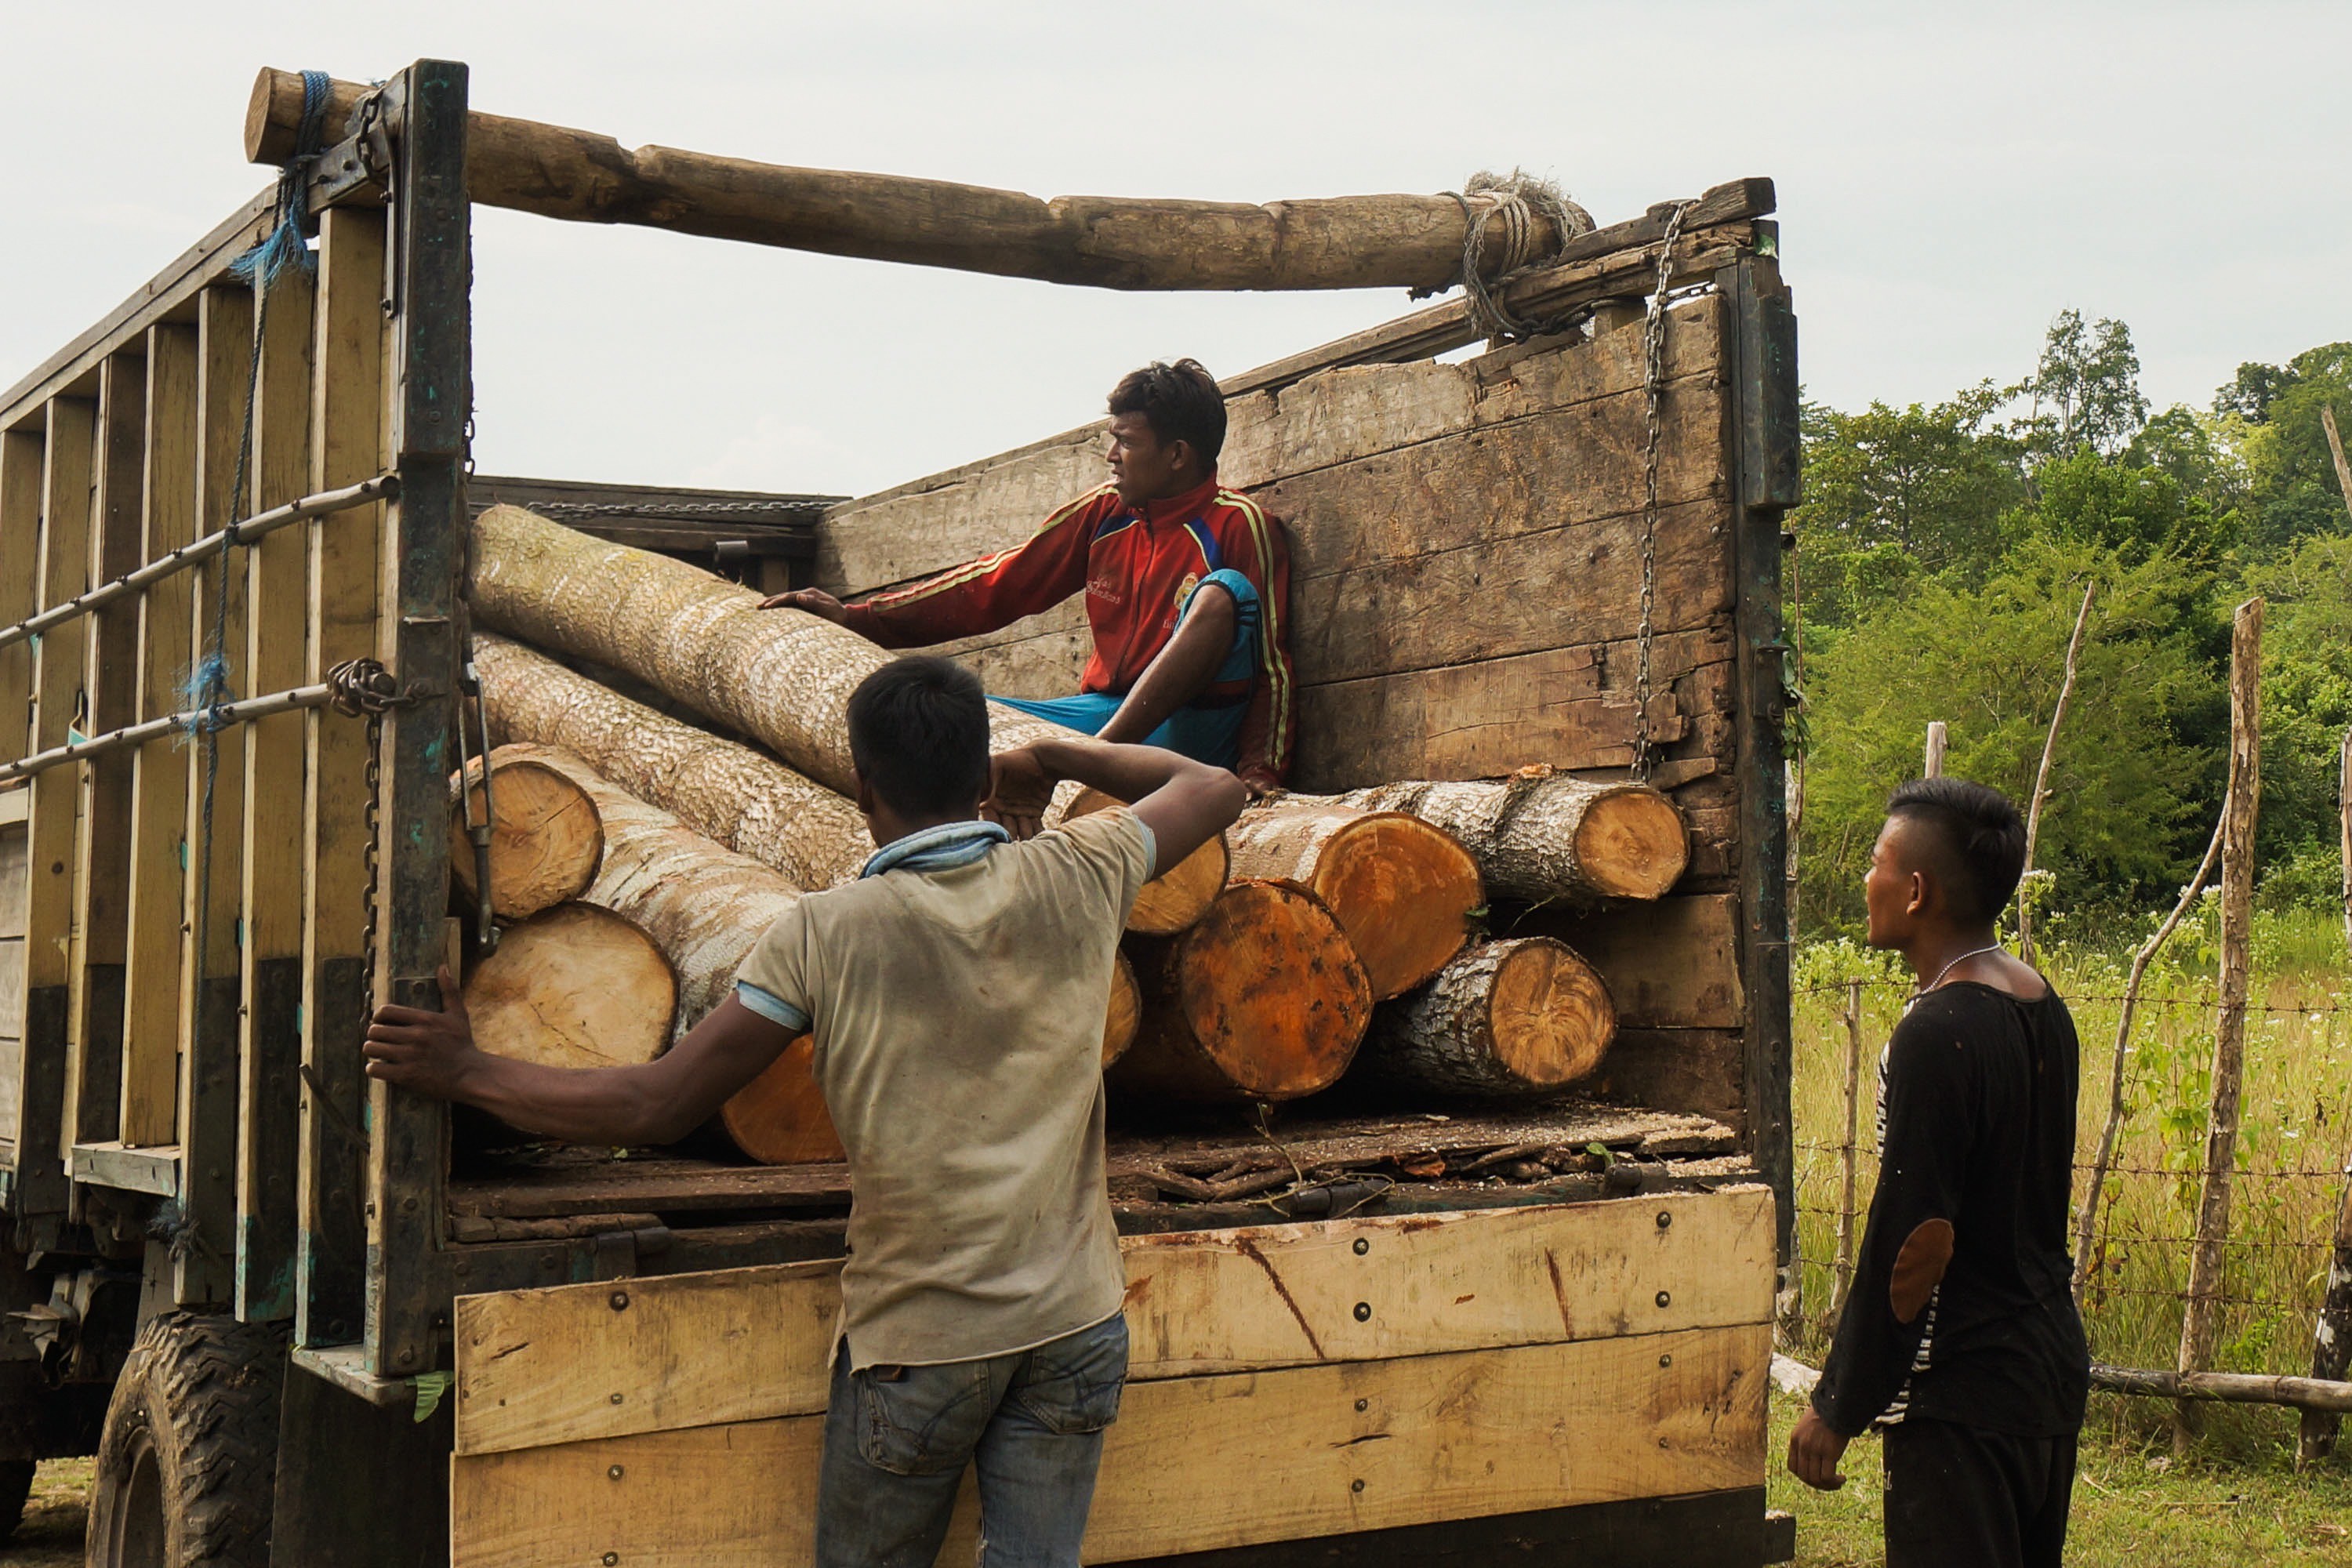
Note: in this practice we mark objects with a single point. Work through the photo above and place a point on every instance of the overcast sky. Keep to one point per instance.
(1950, 177)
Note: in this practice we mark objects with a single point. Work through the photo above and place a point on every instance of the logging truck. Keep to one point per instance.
(263, 619)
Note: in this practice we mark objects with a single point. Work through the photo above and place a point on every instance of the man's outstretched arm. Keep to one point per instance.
(1185, 804)
(659, 1101)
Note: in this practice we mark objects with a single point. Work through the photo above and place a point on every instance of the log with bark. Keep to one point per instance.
(1540, 835)
(1263, 999)
(1405, 240)
(1401, 889)
(783, 677)
(749, 803)
(1519, 1016)
(575, 986)
(546, 840)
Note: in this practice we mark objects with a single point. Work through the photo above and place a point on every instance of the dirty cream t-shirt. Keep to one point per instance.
(957, 1016)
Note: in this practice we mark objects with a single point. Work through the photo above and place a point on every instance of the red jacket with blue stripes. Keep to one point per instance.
(1136, 569)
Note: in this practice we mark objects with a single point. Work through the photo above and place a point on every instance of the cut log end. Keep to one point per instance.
(1633, 844)
(1263, 999)
(576, 986)
(1177, 898)
(1125, 1013)
(1548, 1012)
(547, 839)
(779, 1118)
(1404, 891)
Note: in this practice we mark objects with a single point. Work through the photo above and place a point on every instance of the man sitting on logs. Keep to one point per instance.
(954, 996)
(1186, 586)
(1960, 1338)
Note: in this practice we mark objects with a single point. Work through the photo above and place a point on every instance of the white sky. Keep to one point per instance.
(1949, 178)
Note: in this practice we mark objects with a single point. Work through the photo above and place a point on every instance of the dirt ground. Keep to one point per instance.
(51, 1535)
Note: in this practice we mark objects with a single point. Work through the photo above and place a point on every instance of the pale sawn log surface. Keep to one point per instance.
(546, 838)
(1520, 1016)
(575, 986)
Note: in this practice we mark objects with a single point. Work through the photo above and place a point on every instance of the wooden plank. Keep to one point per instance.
(157, 893)
(1570, 707)
(270, 910)
(162, 296)
(63, 569)
(1194, 1464)
(20, 533)
(108, 702)
(539, 1367)
(348, 440)
(213, 890)
(1337, 418)
(1672, 964)
(1700, 1071)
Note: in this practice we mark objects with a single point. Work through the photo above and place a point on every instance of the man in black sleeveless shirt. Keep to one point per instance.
(1959, 1337)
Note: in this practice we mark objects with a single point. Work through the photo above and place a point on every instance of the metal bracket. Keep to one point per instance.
(358, 169)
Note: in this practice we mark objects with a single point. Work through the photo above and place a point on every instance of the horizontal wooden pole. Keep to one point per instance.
(218, 718)
(2230, 1387)
(1348, 242)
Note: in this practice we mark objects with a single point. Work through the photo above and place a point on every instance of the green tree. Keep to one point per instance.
(2130, 792)
(2085, 391)
(2087, 498)
(1891, 493)
(2306, 707)
(2294, 490)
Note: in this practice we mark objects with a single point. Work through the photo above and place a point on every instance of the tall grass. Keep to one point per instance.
(2296, 1136)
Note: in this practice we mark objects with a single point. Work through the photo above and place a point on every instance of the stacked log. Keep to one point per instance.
(574, 986)
(1539, 835)
(781, 677)
(1263, 999)
(546, 840)
(1401, 889)
(727, 793)
(1176, 898)
(1521, 1016)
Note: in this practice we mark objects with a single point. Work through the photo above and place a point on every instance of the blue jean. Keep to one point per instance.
(897, 1439)
(1206, 732)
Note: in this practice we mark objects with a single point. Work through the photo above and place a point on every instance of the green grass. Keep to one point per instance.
(2132, 1509)
(52, 1534)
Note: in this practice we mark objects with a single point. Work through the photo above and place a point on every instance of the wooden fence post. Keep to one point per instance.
(2331, 1334)
(1935, 739)
(2244, 801)
(2344, 828)
(2042, 779)
(1852, 1119)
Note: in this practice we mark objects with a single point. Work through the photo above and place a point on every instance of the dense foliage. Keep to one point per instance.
(1943, 554)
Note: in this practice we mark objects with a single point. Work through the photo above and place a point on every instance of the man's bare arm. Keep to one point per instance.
(1184, 802)
(658, 1103)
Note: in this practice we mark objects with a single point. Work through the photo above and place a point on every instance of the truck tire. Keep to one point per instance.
(187, 1466)
(16, 1486)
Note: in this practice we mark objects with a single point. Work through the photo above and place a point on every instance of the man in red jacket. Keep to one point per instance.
(1187, 587)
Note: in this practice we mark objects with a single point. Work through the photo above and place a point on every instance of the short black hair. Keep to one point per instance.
(1180, 403)
(1984, 839)
(918, 734)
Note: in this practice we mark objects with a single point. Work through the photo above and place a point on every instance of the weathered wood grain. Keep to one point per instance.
(1672, 964)
(539, 1367)
(1197, 1463)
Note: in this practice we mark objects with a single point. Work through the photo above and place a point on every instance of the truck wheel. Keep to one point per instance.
(187, 1466)
(16, 1486)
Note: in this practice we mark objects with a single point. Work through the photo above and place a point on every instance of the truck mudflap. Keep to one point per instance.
(1336, 1381)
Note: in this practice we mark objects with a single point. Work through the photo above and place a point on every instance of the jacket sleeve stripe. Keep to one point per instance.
(916, 592)
(1277, 673)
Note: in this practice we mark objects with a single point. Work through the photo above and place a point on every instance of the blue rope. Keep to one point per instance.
(287, 245)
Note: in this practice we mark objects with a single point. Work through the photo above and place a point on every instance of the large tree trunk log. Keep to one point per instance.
(751, 804)
(1263, 999)
(1405, 241)
(1539, 835)
(1401, 889)
(780, 675)
(576, 986)
(546, 840)
(1520, 1016)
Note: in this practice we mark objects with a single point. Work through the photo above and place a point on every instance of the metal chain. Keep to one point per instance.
(368, 919)
(1653, 375)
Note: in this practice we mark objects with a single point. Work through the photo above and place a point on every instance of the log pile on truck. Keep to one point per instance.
(1256, 971)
